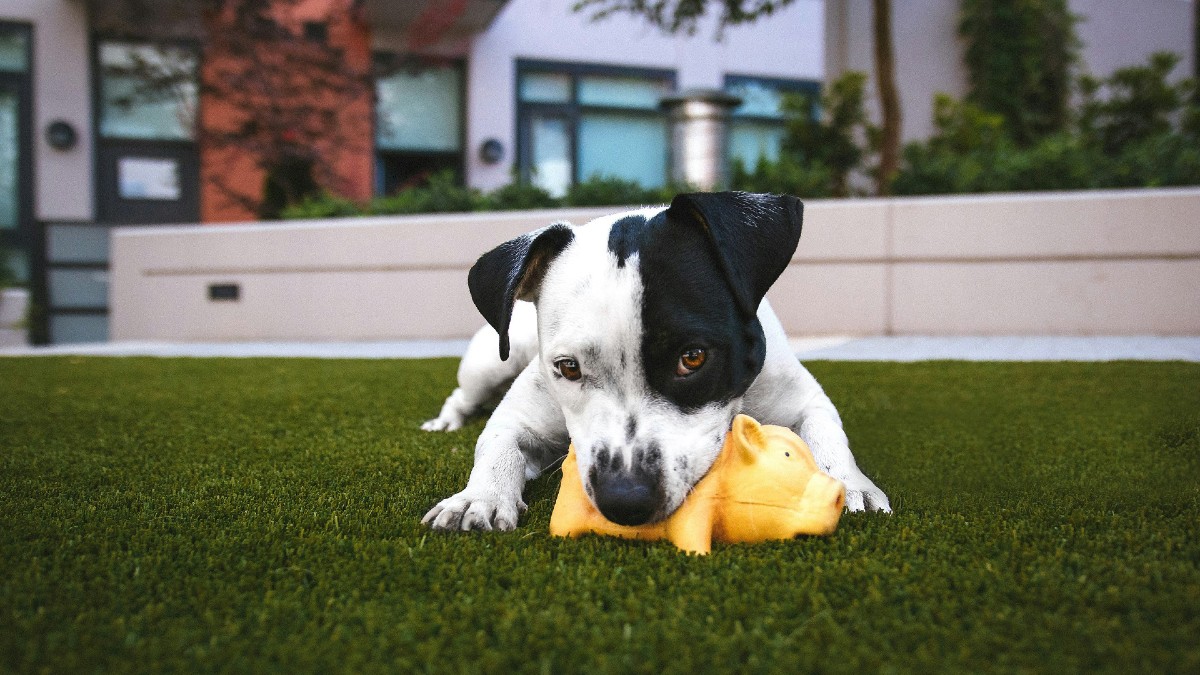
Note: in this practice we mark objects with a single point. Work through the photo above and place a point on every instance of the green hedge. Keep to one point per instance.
(444, 194)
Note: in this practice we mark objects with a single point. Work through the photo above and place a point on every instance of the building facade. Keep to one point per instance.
(119, 112)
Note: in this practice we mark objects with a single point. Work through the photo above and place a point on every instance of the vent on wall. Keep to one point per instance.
(224, 292)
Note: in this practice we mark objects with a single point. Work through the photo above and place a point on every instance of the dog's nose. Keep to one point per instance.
(625, 499)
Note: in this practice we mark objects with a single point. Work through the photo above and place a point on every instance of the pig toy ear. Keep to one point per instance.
(748, 438)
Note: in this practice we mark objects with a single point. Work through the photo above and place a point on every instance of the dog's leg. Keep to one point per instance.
(785, 393)
(482, 376)
(526, 433)
(821, 428)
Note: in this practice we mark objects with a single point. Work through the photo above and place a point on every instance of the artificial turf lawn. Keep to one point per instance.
(262, 516)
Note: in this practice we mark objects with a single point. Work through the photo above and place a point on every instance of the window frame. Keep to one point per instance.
(573, 111)
(812, 88)
(457, 159)
(190, 46)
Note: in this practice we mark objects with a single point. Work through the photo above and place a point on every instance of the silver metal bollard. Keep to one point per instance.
(699, 133)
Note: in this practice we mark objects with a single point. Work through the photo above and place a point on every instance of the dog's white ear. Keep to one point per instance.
(754, 236)
(513, 271)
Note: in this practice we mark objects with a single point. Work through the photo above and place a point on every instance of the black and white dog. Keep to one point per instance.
(650, 334)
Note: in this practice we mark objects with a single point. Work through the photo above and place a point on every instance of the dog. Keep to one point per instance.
(638, 337)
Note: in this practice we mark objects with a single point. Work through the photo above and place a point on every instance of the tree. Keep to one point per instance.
(889, 97)
(682, 16)
(676, 16)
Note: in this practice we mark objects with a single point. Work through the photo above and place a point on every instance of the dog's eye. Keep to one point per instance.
(690, 361)
(568, 368)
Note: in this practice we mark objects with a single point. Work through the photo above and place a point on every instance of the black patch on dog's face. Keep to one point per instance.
(623, 237)
(687, 303)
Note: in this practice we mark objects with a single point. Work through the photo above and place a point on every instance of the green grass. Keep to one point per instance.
(262, 515)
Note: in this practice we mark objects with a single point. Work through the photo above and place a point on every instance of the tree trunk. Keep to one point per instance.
(889, 98)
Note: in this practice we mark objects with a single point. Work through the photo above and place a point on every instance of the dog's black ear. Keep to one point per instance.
(754, 236)
(513, 271)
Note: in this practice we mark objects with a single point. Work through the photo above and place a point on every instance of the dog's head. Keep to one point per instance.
(648, 333)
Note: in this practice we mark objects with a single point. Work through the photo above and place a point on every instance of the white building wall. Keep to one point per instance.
(1032, 264)
(61, 91)
(789, 45)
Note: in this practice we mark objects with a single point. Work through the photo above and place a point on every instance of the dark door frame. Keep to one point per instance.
(26, 236)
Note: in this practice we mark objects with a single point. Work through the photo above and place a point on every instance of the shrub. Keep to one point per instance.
(785, 176)
(1139, 104)
(1133, 129)
(519, 195)
(818, 155)
(612, 191)
(323, 205)
(442, 194)
(1019, 56)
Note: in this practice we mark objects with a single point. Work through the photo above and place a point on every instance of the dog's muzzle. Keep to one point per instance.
(625, 498)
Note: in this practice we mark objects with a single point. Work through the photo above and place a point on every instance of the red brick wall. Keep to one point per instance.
(268, 92)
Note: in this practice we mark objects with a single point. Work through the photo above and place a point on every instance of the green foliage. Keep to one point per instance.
(519, 195)
(610, 191)
(818, 155)
(324, 205)
(1140, 104)
(1019, 56)
(786, 176)
(1133, 129)
(443, 194)
(262, 515)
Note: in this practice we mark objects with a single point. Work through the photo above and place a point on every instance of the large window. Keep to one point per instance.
(577, 122)
(418, 120)
(758, 124)
(147, 92)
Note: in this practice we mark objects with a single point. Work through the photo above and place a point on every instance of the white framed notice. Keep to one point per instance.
(148, 178)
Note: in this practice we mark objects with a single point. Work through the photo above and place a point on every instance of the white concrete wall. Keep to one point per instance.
(788, 45)
(61, 91)
(1085, 263)
(1115, 33)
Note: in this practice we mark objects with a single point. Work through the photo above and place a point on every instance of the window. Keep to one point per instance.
(758, 125)
(577, 122)
(147, 92)
(14, 49)
(14, 66)
(10, 159)
(418, 120)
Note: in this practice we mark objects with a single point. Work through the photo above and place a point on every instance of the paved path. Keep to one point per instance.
(1017, 348)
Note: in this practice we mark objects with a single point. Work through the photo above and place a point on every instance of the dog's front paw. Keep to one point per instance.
(443, 422)
(475, 510)
(864, 495)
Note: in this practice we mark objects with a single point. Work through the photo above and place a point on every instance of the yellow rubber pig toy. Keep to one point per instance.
(764, 485)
